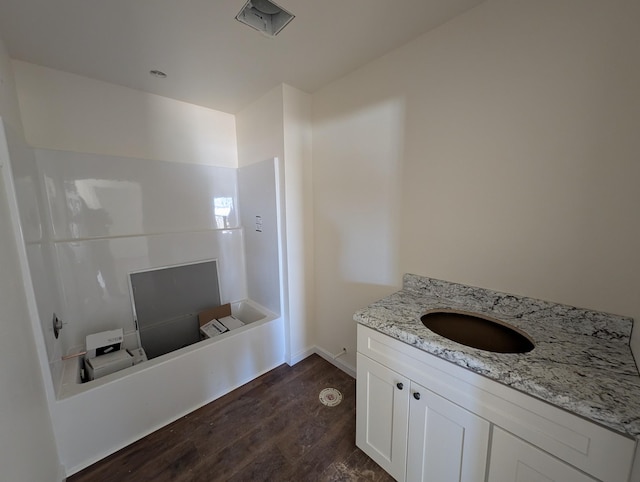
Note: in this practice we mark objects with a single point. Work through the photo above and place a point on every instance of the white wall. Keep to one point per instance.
(9, 106)
(299, 218)
(279, 125)
(72, 113)
(260, 129)
(499, 150)
(27, 445)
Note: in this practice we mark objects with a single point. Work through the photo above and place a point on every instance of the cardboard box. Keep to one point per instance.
(218, 312)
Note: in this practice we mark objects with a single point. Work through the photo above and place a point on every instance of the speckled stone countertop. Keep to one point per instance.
(581, 361)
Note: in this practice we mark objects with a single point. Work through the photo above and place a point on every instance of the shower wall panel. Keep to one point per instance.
(257, 186)
(36, 232)
(111, 216)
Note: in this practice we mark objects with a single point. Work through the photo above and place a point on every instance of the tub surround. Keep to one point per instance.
(581, 362)
(90, 220)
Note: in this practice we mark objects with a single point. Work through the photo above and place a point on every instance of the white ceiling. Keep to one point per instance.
(210, 58)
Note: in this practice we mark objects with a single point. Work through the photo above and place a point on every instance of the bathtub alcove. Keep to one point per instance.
(86, 222)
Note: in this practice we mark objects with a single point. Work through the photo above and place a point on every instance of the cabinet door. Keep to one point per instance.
(446, 442)
(514, 460)
(382, 413)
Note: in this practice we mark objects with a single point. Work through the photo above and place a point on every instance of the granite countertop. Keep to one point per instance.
(581, 362)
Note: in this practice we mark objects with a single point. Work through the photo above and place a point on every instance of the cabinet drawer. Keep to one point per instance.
(592, 448)
(514, 460)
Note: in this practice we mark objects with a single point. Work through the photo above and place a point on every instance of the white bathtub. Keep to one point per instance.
(97, 418)
(247, 311)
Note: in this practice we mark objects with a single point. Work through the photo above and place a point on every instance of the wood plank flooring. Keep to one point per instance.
(273, 428)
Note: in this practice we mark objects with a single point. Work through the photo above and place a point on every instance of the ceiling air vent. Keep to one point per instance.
(264, 16)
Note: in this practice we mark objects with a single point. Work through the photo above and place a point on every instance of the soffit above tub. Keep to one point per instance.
(210, 58)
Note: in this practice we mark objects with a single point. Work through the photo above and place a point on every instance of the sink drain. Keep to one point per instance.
(330, 397)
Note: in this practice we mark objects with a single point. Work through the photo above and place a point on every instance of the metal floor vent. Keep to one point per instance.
(265, 16)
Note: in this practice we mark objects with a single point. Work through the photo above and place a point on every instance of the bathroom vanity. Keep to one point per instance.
(429, 408)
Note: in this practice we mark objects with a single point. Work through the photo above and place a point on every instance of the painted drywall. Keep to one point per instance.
(260, 129)
(278, 124)
(9, 106)
(27, 445)
(499, 150)
(299, 218)
(68, 112)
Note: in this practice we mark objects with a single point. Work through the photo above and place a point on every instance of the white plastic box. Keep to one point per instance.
(105, 364)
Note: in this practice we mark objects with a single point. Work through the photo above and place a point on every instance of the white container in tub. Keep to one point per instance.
(248, 312)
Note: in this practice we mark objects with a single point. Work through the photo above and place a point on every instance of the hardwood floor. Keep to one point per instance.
(273, 428)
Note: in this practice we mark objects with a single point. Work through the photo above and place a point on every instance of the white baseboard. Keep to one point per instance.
(301, 355)
(336, 361)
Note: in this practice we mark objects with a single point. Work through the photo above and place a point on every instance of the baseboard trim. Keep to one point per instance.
(336, 361)
(301, 355)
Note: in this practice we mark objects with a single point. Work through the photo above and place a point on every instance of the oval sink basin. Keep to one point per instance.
(477, 331)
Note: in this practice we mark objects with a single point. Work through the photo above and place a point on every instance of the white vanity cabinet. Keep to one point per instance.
(413, 433)
(465, 427)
